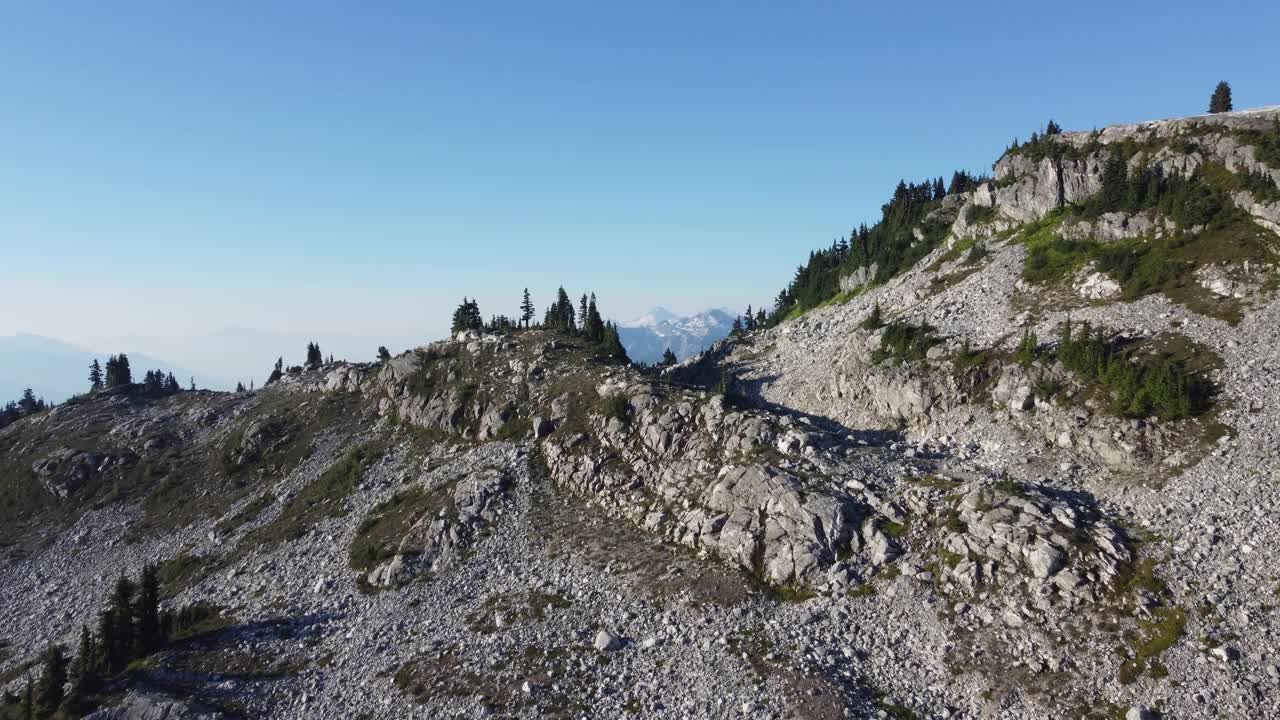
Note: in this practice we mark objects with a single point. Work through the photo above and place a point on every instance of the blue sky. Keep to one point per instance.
(170, 169)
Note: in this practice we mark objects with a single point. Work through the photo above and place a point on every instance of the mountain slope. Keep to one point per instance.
(930, 493)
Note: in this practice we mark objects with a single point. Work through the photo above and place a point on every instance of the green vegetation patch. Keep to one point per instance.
(378, 537)
(902, 342)
(1153, 636)
(1139, 385)
(1266, 144)
(323, 498)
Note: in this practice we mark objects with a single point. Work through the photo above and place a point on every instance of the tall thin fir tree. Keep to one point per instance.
(95, 376)
(1221, 100)
(582, 313)
(53, 681)
(526, 309)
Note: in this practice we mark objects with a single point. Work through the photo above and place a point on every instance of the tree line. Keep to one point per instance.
(562, 316)
(885, 249)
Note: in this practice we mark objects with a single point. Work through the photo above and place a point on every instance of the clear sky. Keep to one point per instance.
(170, 169)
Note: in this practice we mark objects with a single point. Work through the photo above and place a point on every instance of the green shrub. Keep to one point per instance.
(979, 214)
(1266, 144)
(1055, 259)
(976, 254)
(904, 342)
(1028, 349)
(875, 320)
(615, 406)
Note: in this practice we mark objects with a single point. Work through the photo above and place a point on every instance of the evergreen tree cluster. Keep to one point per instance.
(749, 321)
(1156, 386)
(467, 316)
(130, 627)
(890, 246)
(118, 372)
(314, 357)
(582, 319)
(28, 404)
(155, 382)
(1188, 201)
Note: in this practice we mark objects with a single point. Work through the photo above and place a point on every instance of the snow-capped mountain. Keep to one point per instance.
(647, 336)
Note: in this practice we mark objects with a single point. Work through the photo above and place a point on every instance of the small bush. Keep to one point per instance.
(615, 406)
(904, 342)
(875, 320)
(1028, 349)
(979, 214)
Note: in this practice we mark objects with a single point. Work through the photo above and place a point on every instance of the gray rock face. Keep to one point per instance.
(65, 471)
(155, 707)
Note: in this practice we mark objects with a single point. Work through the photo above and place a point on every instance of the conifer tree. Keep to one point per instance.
(611, 344)
(125, 374)
(593, 324)
(28, 404)
(120, 649)
(736, 330)
(95, 376)
(668, 358)
(384, 355)
(277, 372)
(1052, 128)
(28, 701)
(147, 612)
(84, 669)
(526, 309)
(314, 358)
(53, 681)
(582, 314)
(171, 384)
(1221, 100)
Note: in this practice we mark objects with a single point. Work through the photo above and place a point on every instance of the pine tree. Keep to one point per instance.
(1221, 100)
(1052, 128)
(314, 358)
(28, 404)
(384, 355)
(123, 371)
(53, 681)
(582, 314)
(193, 383)
(611, 344)
(277, 372)
(84, 670)
(120, 643)
(593, 324)
(95, 376)
(736, 329)
(171, 384)
(467, 316)
(147, 612)
(668, 358)
(526, 309)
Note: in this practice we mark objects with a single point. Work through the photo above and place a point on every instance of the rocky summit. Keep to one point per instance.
(1024, 466)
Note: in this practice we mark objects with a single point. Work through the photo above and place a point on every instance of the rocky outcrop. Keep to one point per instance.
(65, 471)
(438, 540)
(999, 533)
(144, 706)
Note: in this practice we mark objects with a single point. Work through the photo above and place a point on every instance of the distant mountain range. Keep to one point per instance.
(56, 370)
(647, 336)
